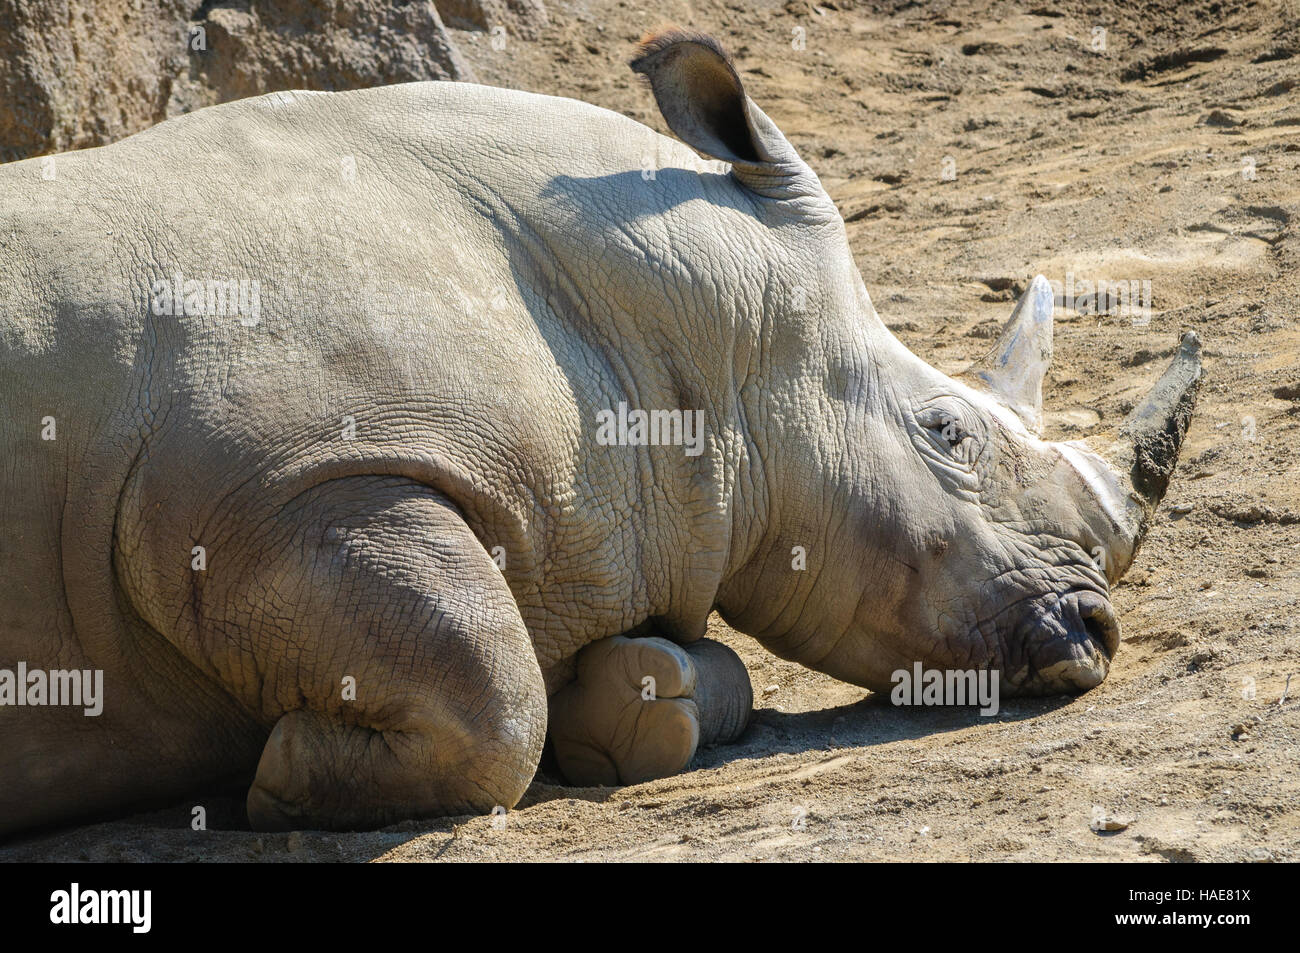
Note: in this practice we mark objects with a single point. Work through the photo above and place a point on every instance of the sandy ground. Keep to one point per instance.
(1173, 155)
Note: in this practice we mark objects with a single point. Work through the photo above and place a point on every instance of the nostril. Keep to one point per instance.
(1099, 622)
(1098, 633)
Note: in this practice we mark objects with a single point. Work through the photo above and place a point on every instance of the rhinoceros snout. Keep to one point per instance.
(1069, 643)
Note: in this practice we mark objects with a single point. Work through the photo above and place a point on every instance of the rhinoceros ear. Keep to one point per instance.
(703, 101)
(1013, 371)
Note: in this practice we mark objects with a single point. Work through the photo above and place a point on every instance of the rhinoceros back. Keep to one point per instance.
(246, 301)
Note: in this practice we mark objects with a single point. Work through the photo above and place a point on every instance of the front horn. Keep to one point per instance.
(1153, 433)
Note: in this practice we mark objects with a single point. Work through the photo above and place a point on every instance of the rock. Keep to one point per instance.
(76, 74)
(294, 842)
(1104, 821)
(305, 44)
(521, 18)
(1182, 509)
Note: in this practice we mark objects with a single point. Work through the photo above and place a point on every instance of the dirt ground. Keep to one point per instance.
(1172, 155)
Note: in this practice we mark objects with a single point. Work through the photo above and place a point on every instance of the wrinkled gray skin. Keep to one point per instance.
(436, 336)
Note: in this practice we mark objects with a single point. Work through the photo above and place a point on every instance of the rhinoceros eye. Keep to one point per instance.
(948, 434)
(943, 426)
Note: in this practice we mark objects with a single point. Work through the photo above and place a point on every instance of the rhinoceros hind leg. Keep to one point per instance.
(387, 648)
(639, 708)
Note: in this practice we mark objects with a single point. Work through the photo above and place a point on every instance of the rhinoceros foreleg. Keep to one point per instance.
(639, 708)
(391, 651)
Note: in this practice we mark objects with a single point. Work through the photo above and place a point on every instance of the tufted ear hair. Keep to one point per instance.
(703, 101)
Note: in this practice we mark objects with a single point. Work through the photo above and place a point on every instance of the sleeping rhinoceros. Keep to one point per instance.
(356, 440)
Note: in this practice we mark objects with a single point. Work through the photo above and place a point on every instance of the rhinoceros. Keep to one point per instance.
(356, 443)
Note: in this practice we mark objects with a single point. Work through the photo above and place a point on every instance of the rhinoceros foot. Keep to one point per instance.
(639, 708)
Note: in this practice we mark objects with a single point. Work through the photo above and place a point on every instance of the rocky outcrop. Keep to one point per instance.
(76, 74)
(308, 44)
(80, 73)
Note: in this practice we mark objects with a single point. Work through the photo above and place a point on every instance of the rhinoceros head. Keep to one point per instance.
(908, 516)
(1000, 547)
